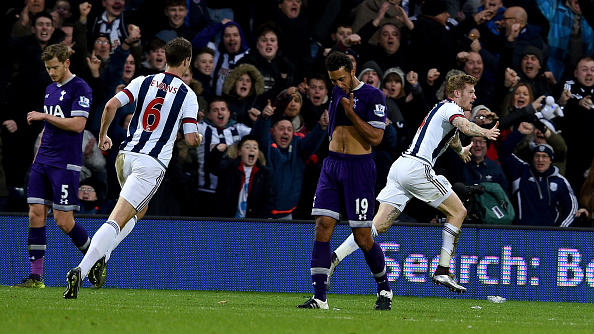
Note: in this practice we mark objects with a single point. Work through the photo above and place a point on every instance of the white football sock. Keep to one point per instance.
(123, 234)
(102, 241)
(449, 235)
(349, 245)
(346, 248)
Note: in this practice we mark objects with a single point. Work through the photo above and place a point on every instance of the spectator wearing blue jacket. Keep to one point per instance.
(482, 169)
(570, 35)
(286, 154)
(541, 196)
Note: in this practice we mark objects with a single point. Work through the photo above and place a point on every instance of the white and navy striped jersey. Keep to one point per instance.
(212, 137)
(436, 132)
(163, 103)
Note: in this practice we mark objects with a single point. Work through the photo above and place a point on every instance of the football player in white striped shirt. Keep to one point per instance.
(412, 175)
(163, 104)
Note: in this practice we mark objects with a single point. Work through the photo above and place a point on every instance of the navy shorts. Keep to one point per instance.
(53, 186)
(347, 187)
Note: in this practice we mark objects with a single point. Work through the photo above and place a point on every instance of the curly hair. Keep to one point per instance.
(336, 60)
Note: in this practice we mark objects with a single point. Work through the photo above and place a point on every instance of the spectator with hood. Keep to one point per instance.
(242, 90)
(232, 48)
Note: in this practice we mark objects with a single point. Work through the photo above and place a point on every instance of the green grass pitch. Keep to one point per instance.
(183, 311)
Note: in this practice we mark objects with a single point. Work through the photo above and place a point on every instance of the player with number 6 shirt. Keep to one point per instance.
(164, 103)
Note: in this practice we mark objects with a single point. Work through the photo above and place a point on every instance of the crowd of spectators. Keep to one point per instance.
(258, 71)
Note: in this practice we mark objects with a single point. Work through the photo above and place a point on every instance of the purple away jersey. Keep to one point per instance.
(59, 148)
(370, 106)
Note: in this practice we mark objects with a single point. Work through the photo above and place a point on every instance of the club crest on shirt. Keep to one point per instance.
(553, 186)
(84, 102)
(380, 110)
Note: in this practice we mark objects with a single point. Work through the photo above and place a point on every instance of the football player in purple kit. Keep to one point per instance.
(357, 119)
(164, 103)
(412, 175)
(56, 168)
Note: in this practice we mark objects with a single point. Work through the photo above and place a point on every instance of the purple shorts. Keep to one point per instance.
(52, 186)
(347, 187)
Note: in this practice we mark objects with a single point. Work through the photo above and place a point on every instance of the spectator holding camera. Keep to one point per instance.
(543, 133)
(541, 196)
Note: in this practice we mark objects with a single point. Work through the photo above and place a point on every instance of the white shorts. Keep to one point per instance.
(140, 176)
(410, 177)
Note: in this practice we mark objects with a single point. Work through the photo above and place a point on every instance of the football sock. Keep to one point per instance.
(346, 248)
(442, 270)
(320, 267)
(102, 241)
(449, 235)
(376, 261)
(79, 237)
(37, 268)
(37, 243)
(349, 245)
(123, 234)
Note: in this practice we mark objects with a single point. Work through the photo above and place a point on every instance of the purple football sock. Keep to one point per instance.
(80, 238)
(376, 261)
(37, 243)
(320, 266)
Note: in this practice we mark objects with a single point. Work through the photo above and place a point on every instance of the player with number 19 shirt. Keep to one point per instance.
(370, 106)
(357, 119)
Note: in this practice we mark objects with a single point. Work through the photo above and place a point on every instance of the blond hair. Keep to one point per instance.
(458, 82)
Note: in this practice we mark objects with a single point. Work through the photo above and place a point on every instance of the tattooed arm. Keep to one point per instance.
(463, 151)
(472, 130)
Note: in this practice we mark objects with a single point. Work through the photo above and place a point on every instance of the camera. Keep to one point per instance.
(463, 190)
(467, 196)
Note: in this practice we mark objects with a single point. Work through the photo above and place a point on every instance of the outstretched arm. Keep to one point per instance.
(472, 130)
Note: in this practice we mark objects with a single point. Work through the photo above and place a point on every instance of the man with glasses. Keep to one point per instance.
(480, 168)
(91, 194)
(515, 35)
(481, 115)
